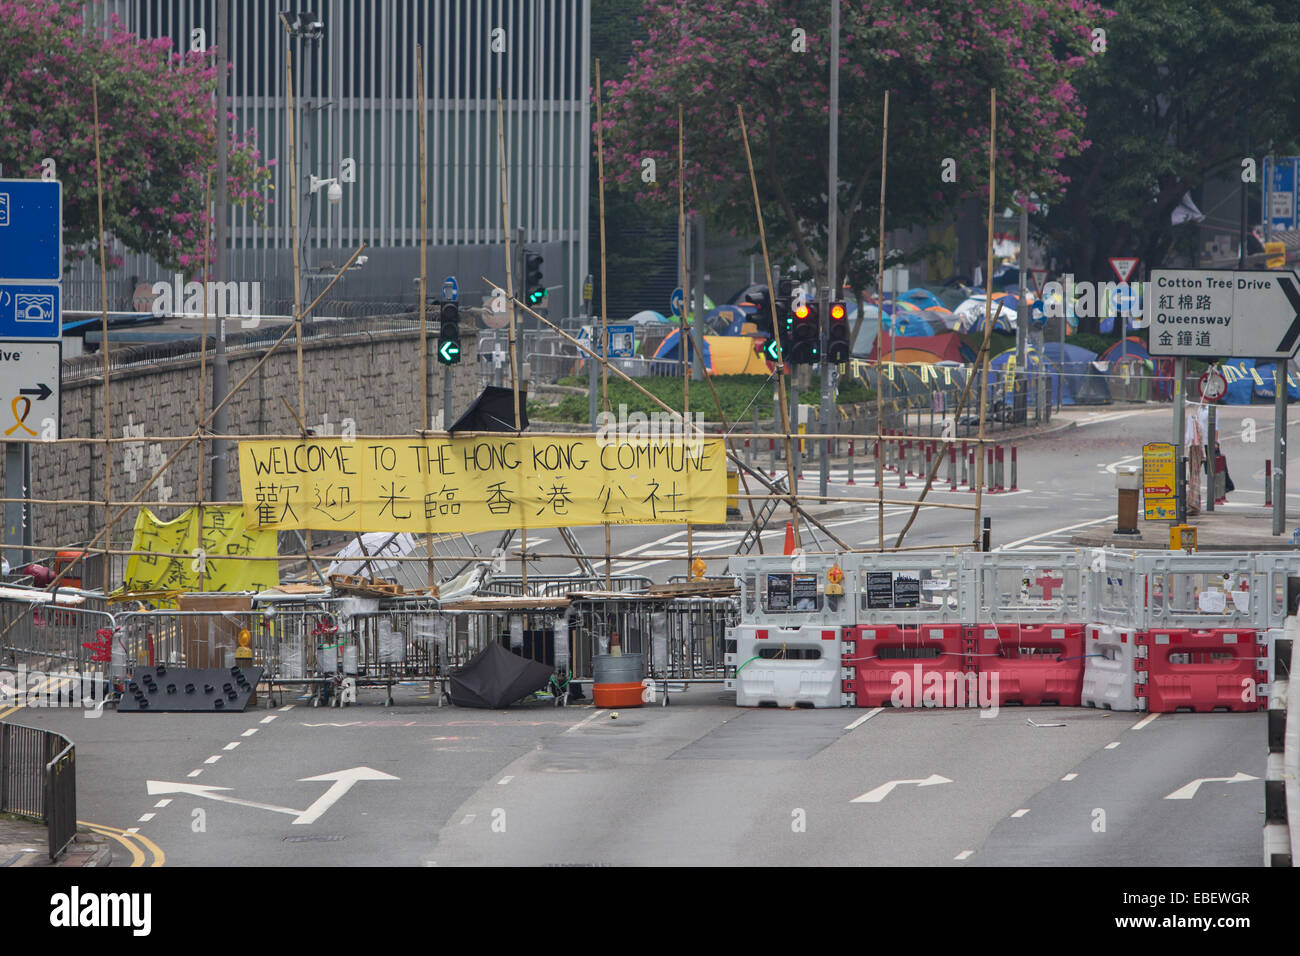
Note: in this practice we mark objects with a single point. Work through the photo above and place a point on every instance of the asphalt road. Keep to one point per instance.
(701, 781)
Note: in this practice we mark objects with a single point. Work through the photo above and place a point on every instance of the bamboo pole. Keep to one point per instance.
(792, 485)
(880, 325)
(103, 305)
(425, 421)
(604, 295)
(203, 368)
(298, 312)
(983, 359)
(510, 298)
(683, 344)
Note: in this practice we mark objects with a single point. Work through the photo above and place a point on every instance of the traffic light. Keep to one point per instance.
(807, 334)
(837, 339)
(449, 334)
(770, 350)
(785, 315)
(534, 286)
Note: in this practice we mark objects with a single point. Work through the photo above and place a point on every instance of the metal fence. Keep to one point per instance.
(684, 639)
(38, 780)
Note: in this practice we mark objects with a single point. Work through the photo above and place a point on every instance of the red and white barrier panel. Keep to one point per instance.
(1034, 664)
(1204, 671)
(930, 665)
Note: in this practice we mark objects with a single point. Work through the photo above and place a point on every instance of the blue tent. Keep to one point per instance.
(1082, 381)
(922, 297)
(1037, 365)
(911, 324)
(1132, 346)
(1249, 383)
(1000, 323)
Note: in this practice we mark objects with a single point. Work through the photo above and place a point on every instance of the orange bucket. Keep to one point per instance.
(617, 695)
(61, 560)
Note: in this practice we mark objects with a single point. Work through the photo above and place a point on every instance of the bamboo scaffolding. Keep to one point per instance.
(683, 344)
(880, 324)
(425, 420)
(983, 358)
(510, 290)
(103, 304)
(791, 484)
(604, 295)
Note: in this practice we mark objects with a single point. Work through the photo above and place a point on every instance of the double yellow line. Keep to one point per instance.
(144, 852)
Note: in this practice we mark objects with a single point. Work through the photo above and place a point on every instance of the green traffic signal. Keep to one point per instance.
(772, 349)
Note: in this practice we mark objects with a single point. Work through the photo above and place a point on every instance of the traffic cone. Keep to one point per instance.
(789, 537)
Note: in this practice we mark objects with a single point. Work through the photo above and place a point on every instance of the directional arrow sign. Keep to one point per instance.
(1160, 490)
(341, 781)
(1209, 313)
(882, 791)
(43, 392)
(1189, 791)
(449, 352)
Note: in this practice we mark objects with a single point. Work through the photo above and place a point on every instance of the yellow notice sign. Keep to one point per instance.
(226, 539)
(1159, 487)
(481, 484)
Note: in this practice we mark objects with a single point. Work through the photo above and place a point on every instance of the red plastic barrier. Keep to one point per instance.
(886, 664)
(1203, 671)
(1035, 664)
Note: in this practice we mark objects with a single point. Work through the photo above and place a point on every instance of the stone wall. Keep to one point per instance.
(366, 370)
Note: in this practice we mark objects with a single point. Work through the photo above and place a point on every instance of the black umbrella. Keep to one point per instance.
(495, 678)
(493, 411)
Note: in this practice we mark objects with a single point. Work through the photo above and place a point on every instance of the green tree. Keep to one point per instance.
(771, 57)
(156, 124)
(1185, 90)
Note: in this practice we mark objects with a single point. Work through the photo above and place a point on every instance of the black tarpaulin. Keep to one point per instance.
(494, 411)
(495, 678)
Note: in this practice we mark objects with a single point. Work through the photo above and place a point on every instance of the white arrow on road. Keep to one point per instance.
(341, 782)
(882, 791)
(1189, 791)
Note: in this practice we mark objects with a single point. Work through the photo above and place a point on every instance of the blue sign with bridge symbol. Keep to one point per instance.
(31, 259)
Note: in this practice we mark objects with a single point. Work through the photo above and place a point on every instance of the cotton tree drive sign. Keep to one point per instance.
(1208, 313)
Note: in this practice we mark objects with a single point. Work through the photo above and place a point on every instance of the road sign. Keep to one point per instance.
(622, 341)
(1039, 279)
(31, 230)
(450, 289)
(30, 310)
(1276, 252)
(1280, 182)
(30, 398)
(1213, 385)
(1159, 486)
(449, 352)
(1207, 313)
(1124, 266)
(676, 301)
(1125, 300)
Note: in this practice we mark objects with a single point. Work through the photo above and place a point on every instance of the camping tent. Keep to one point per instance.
(723, 355)
(945, 347)
(1081, 377)
(1248, 382)
(1132, 346)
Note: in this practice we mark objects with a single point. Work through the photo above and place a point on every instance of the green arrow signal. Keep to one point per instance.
(770, 350)
(449, 353)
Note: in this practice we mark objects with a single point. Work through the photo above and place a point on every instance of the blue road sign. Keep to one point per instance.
(31, 230)
(30, 310)
(676, 301)
(1125, 300)
(450, 289)
(1281, 184)
(622, 341)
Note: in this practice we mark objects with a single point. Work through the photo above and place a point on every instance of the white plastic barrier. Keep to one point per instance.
(1026, 587)
(1114, 670)
(785, 666)
(1116, 588)
(791, 590)
(909, 588)
(1202, 591)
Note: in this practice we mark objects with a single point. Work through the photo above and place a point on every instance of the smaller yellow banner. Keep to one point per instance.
(214, 563)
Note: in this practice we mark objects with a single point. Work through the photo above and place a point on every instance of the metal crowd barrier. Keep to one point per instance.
(38, 780)
(560, 585)
(50, 637)
(684, 639)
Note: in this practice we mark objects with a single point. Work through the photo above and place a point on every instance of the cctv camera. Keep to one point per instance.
(335, 194)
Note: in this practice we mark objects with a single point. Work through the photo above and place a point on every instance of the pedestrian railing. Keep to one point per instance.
(38, 780)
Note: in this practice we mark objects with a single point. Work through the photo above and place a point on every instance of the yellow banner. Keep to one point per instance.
(226, 539)
(481, 484)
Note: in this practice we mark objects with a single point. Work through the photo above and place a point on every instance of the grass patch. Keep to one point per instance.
(738, 394)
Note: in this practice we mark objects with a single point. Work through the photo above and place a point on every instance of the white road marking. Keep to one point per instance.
(1112, 745)
(249, 732)
(231, 746)
(132, 830)
(586, 720)
(1044, 534)
(145, 817)
(195, 773)
(964, 854)
(1188, 791)
(505, 780)
(341, 781)
(213, 759)
(1144, 721)
(864, 718)
(162, 803)
(882, 791)
(286, 707)
(468, 818)
(1019, 813)
(267, 719)
(1068, 777)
